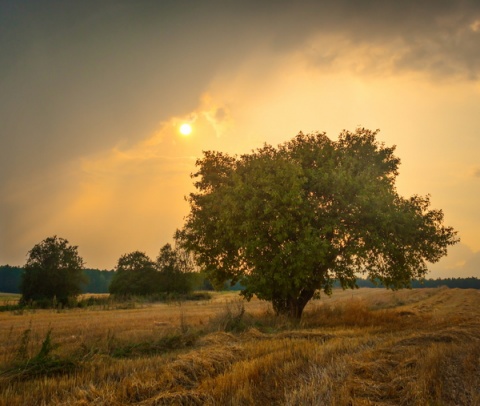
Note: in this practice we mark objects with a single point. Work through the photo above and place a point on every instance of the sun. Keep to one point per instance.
(185, 129)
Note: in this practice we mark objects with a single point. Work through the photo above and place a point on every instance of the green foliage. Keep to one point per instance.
(173, 266)
(286, 222)
(53, 273)
(459, 283)
(199, 281)
(136, 274)
(10, 278)
(98, 281)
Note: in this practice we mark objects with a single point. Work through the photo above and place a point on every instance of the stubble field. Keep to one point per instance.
(362, 347)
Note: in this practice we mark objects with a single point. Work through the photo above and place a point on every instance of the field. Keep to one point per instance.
(362, 347)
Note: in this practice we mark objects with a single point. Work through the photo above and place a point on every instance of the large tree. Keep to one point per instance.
(288, 221)
(54, 269)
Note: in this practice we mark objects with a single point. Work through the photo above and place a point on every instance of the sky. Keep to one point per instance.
(92, 95)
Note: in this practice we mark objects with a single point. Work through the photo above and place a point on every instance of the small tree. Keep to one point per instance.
(287, 222)
(173, 266)
(136, 274)
(53, 270)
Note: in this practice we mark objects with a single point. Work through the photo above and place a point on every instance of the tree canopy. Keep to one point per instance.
(136, 274)
(288, 221)
(174, 266)
(54, 269)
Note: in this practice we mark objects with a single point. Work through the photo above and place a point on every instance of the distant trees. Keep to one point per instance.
(98, 280)
(54, 270)
(10, 278)
(287, 222)
(173, 267)
(137, 274)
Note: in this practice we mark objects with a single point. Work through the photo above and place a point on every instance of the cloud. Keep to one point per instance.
(75, 77)
(472, 264)
(476, 172)
(475, 26)
(461, 262)
(125, 198)
(438, 39)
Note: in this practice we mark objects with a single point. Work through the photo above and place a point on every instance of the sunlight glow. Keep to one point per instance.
(185, 129)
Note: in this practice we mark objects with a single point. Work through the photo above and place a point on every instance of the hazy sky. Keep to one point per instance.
(92, 94)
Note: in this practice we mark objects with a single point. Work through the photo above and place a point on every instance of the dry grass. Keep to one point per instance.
(366, 347)
(9, 297)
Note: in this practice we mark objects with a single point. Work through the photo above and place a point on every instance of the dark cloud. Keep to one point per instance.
(76, 78)
(476, 173)
(435, 37)
(74, 73)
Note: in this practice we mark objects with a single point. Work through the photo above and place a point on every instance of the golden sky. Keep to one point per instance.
(92, 95)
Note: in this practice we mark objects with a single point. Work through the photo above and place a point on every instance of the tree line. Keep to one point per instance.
(460, 283)
(54, 274)
(98, 281)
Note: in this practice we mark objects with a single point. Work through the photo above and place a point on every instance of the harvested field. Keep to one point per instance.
(362, 347)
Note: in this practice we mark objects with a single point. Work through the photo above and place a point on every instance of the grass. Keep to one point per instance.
(362, 347)
(9, 301)
(9, 297)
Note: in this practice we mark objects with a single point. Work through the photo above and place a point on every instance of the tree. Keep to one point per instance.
(53, 270)
(10, 278)
(173, 266)
(136, 274)
(98, 280)
(287, 222)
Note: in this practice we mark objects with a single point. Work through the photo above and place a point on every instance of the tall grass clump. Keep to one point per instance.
(44, 363)
(231, 318)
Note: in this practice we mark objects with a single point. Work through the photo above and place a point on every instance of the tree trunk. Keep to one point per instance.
(292, 307)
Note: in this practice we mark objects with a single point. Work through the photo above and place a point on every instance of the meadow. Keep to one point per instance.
(361, 347)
